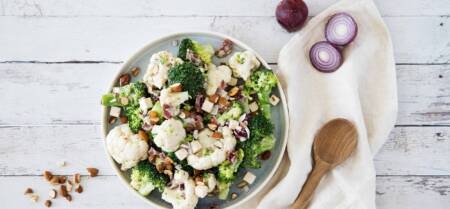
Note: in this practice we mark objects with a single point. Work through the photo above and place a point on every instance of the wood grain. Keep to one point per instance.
(107, 192)
(196, 7)
(56, 39)
(73, 91)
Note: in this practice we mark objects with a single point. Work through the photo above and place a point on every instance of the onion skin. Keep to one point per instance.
(291, 14)
(341, 19)
(334, 60)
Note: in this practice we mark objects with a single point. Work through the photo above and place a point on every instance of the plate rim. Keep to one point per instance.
(124, 67)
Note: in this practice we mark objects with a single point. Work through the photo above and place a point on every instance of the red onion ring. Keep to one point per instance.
(325, 57)
(341, 29)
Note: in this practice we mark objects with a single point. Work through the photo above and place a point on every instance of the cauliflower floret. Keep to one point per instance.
(173, 99)
(181, 197)
(215, 77)
(169, 135)
(125, 147)
(213, 151)
(158, 68)
(243, 63)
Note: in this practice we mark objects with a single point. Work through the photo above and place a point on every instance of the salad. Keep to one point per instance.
(192, 122)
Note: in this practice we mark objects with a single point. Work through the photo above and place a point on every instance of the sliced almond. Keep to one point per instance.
(69, 197)
(52, 194)
(214, 98)
(234, 195)
(212, 126)
(223, 101)
(242, 184)
(135, 71)
(48, 175)
(112, 120)
(63, 190)
(217, 135)
(76, 178)
(34, 197)
(54, 180)
(232, 82)
(62, 179)
(48, 203)
(143, 135)
(123, 119)
(153, 114)
(79, 189)
(28, 191)
(176, 87)
(154, 120)
(233, 91)
(69, 186)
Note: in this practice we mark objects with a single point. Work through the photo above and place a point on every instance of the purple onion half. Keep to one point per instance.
(341, 29)
(325, 57)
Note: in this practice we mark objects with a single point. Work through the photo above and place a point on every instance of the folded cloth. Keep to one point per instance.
(362, 90)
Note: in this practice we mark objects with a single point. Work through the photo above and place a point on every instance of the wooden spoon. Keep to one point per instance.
(333, 144)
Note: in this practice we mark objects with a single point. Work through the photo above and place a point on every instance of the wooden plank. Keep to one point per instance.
(392, 192)
(72, 93)
(29, 150)
(115, 38)
(196, 7)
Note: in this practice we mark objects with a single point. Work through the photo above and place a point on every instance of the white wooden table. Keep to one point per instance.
(58, 56)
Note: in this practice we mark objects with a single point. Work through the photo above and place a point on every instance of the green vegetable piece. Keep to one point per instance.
(133, 113)
(234, 113)
(205, 52)
(224, 189)
(145, 177)
(184, 46)
(227, 173)
(260, 126)
(158, 109)
(189, 76)
(110, 100)
(262, 81)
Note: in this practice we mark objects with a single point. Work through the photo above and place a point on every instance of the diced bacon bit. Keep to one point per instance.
(232, 82)
(249, 178)
(274, 100)
(115, 112)
(233, 92)
(253, 107)
(207, 106)
(223, 101)
(143, 135)
(176, 87)
(217, 135)
(214, 98)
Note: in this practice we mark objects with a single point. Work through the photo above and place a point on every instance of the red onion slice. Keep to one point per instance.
(341, 29)
(325, 57)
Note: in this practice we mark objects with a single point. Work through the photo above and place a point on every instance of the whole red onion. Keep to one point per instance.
(292, 14)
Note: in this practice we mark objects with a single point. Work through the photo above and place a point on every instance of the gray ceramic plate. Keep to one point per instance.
(279, 117)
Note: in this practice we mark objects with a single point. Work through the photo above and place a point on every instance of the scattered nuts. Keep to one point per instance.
(265, 155)
(69, 197)
(135, 71)
(62, 179)
(28, 191)
(124, 79)
(63, 190)
(52, 193)
(93, 172)
(212, 126)
(217, 135)
(214, 98)
(79, 189)
(112, 120)
(153, 114)
(233, 91)
(143, 135)
(154, 121)
(48, 175)
(123, 119)
(54, 180)
(223, 101)
(176, 87)
(76, 178)
(48, 203)
(69, 186)
(234, 195)
(34, 197)
(242, 184)
(227, 47)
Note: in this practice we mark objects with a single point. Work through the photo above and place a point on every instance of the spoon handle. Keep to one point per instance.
(319, 169)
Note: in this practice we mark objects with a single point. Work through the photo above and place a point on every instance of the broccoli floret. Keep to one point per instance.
(262, 81)
(145, 177)
(233, 113)
(133, 113)
(183, 163)
(110, 100)
(260, 126)
(184, 46)
(204, 52)
(254, 147)
(189, 76)
(227, 173)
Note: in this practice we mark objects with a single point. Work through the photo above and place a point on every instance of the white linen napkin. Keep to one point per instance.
(362, 90)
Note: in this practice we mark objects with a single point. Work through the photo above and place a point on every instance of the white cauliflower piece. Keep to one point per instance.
(125, 147)
(243, 63)
(169, 135)
(181, 198)
(173, 99)
(212, 155)
(215, 76)
(158, 68)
